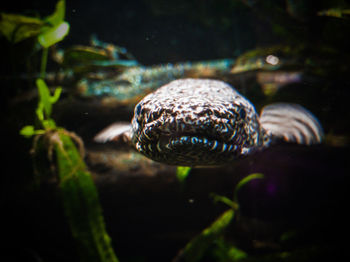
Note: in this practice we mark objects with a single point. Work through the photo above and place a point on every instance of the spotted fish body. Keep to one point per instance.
(196, 121)
(199, 122)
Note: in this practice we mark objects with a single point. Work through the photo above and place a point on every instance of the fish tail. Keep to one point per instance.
(291, 123)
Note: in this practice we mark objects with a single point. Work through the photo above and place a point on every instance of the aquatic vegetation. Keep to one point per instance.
(17, 28)
(198, 246)
(335, 12)
(182, 172)
(79, 195)
(48, 31)
(78, 192)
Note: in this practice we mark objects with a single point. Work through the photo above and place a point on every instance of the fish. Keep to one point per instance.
(206, 122)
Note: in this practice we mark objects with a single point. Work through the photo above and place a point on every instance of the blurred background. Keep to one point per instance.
(276, 50)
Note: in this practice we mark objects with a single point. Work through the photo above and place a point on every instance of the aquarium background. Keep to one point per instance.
(298, 212)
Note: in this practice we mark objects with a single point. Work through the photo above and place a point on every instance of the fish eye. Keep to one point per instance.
(138, 109)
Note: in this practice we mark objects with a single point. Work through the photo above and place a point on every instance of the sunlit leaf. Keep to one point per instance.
(223, 199)
(245, 181)
(49, 123)
(182, 172)
(46, 101)
(53, 35)
(44, 94)
(27, 131)
(58, 16)
(56, 95)
(18, 27)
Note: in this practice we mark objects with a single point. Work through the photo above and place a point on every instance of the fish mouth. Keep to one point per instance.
(190, 150)
(188, 141)
(207, 140)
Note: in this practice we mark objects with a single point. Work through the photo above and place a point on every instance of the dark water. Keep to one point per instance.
(148, 215)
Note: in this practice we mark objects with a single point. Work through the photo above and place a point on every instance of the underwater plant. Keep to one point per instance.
(48, 31)
(78, 192)
(196, 248)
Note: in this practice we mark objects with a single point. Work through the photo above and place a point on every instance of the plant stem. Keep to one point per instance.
(43, 62)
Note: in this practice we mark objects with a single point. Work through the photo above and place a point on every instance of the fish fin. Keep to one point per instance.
(291, 123)
(114, 132)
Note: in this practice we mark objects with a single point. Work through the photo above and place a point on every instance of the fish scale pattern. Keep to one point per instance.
(196, 122)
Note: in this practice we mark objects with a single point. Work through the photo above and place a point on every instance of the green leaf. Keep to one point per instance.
(49, 124)
(227, 252)
(56, 95)
(45, 104)
(40, 112)
(53, 35)
(49, 31)
(182, 172)
(196, 248)
(81, 204)
(46, 101)
(223, 199)
(18, 27)
(58, 16)
(245, 181)
(27, 131)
